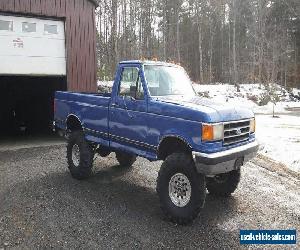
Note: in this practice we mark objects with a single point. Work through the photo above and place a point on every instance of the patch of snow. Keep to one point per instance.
(105, 86)
(280, 139)
(295, 91)
(280, 107)
(249, 97)
(105, 83)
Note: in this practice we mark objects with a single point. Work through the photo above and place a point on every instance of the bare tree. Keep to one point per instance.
(216, 40)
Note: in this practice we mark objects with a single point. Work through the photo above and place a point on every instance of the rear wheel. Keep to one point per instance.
(125, 160)
(180, 188)
(223, 184)
(80, 156)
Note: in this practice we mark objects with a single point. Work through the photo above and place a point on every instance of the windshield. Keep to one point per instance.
(167, 80)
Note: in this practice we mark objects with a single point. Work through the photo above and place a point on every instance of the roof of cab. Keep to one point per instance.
(149, 62)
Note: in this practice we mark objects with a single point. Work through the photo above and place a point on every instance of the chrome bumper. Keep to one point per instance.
(224, 161)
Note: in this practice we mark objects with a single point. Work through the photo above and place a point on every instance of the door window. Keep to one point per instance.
(131, 84)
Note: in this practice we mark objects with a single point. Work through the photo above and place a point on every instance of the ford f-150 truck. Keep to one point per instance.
(154, 112)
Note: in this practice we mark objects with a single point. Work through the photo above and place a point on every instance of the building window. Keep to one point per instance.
(50, 29)
(6, 25)
(28, 27)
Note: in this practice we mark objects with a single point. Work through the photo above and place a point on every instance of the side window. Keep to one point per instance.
(6, 25)
(131, 84)
(28, 27)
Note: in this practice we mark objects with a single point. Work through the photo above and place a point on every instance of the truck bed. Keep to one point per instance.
(88, 108)
(83, 98)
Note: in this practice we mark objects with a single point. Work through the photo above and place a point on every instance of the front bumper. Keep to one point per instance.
(224, 161)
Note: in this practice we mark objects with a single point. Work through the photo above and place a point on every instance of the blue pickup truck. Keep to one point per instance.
(154, 112)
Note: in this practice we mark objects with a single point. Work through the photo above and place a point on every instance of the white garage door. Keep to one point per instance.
(31, 46)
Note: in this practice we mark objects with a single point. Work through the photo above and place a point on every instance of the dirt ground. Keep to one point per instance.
(41, 206)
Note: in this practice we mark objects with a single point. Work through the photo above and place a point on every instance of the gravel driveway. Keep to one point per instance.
(41, 206)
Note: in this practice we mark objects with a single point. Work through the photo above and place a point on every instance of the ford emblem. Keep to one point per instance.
(238, 131)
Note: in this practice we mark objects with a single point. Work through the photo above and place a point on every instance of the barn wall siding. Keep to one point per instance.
(79, 16)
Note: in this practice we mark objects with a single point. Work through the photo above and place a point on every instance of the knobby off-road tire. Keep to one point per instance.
(223, 184)
(180, 188)
(125, 160)
(80, 156)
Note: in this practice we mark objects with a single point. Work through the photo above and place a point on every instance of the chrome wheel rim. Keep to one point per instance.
(180, 190)
(76, 155)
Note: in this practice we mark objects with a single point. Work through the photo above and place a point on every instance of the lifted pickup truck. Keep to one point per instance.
(154, 112)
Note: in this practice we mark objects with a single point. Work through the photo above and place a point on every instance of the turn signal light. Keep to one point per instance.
(207, 132)
(212, 132)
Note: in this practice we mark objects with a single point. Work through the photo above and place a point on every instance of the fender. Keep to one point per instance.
(181, 138)
(77, 118)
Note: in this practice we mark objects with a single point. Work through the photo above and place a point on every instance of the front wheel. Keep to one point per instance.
(223, 184)
(80, 156)
(180, 188)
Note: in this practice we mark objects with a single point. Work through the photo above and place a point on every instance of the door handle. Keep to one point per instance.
(114, 105)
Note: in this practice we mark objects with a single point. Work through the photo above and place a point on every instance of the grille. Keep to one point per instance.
(236, 131)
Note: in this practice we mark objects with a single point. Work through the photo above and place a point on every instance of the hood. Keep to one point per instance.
(217, 112)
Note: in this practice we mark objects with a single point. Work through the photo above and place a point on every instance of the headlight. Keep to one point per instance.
(252, 125)
(212, 132)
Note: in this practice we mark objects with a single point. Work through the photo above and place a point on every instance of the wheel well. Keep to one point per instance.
(170, 145)
(73, 123)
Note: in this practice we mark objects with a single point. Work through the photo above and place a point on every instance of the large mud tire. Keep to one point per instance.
(80, 156)
(180, 188)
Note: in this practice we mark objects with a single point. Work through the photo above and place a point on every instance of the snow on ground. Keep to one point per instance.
(225, 93)
(248, 97)
(105, 86)
(279, 139)
(296, 91)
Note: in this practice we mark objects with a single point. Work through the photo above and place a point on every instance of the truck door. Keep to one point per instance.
(128, 112)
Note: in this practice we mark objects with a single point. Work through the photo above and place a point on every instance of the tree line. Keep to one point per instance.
(235, 41)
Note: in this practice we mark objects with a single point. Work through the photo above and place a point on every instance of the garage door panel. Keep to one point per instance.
(18, 65)
(32, 46)
(27, 46)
